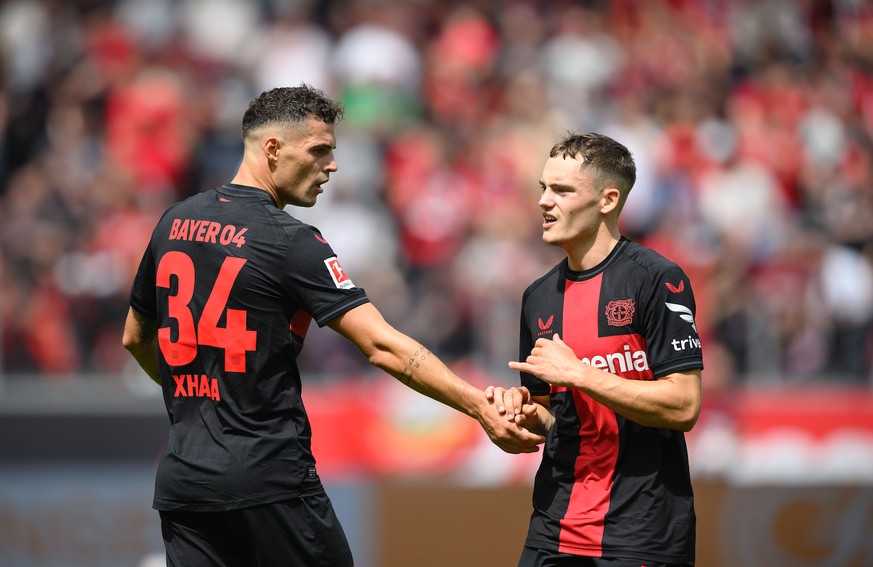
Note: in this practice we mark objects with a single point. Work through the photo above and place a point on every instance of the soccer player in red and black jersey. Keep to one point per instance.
(220, 306)
(610, 354)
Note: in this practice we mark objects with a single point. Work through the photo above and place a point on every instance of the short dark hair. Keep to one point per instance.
(612, 161)
(290, 105)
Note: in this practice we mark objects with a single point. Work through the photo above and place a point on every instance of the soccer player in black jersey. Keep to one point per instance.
(220, 307)
(610, 354)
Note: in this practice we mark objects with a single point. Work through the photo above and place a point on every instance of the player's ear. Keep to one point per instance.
(270, 147)
(610, 198)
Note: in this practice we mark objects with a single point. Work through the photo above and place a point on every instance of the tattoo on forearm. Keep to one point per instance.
(412, 364)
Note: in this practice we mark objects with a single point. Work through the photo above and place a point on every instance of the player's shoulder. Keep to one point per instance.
(192, 202)
(196, 206)
(652, 273)
(181, 208)
(647, 259)
(297, 229)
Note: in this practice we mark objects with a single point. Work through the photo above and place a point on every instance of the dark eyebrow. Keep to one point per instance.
(322, 147)
(558, 186)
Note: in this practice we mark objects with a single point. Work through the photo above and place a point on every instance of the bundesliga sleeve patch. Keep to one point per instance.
(339, 276)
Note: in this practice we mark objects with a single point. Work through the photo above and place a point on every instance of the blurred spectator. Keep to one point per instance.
(580, 35)
(200, 20)
(847, 285)
(377, 66)
(751, 124)
(292, 49)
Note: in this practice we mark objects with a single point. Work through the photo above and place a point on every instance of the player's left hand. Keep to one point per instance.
(552, 361)
(511, 437)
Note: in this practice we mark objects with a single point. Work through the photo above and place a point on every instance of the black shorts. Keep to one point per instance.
(301, 531)
(532, 557)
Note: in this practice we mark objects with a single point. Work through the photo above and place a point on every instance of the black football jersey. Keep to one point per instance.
(608, 486)
(234, 282)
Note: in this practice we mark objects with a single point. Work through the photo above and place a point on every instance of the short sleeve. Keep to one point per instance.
(315, 276)
(670, 327)
(142, 294)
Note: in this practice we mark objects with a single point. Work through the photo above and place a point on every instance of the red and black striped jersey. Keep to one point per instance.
(233, 282)
(608, 486)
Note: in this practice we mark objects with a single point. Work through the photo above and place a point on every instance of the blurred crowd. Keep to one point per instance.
(751, 122)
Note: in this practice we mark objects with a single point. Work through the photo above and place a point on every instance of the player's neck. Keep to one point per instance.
(245, 176)
(586, 255)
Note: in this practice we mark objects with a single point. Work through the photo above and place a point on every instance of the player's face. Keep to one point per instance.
(305, 162)
(571, 203)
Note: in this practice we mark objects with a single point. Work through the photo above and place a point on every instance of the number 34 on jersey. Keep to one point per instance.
(234, 338)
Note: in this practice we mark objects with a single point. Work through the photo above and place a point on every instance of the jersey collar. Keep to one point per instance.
(599, 268)
(246, 191)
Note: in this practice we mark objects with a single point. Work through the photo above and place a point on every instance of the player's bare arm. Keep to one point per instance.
(671, 402)
(404, 358)
(141, 340)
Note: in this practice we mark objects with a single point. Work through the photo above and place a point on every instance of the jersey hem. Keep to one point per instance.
(164, 505)
(137, 306)
(608, 552)
(677, 366)
(327, 315)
